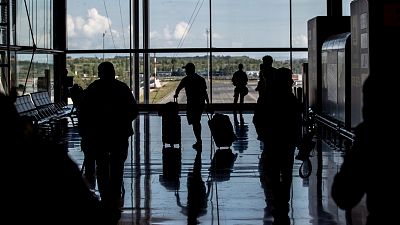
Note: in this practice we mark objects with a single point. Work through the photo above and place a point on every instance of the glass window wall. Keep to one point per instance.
(250, 29)
(34, 73)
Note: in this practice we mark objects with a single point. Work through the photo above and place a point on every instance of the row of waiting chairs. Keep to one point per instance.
(51, 118)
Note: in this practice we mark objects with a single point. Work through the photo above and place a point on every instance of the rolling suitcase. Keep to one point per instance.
(171, 124)
(222, 130)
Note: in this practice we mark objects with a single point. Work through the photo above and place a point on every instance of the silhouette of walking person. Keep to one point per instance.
(197, 194)
(197, 97)
(239, 80)
(264, 88)
(281, 132)
(107, 111)
(369, 168)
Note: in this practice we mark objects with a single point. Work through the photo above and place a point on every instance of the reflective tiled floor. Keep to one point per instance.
(236, 198)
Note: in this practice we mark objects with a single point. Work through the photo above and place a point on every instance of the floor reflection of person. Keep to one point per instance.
(241, 130)
(197, 195)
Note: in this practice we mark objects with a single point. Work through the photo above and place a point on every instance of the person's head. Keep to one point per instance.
(189, 68)
(283, 78)
(106, 71)
(267, 60)
(240, 66)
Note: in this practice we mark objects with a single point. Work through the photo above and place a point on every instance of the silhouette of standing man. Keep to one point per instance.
(107, 111)
(239, 80)
(196, 94)
(281, 132)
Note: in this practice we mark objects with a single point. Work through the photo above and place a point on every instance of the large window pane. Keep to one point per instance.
(179, 24)
(166, 73)
(98, 24)
(83, 67)
(302, 11)
(251, 23)
(34, 74)
(346, 7)
(34, 17)
(225, 64)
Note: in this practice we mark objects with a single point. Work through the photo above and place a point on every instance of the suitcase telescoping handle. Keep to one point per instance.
(209, 115)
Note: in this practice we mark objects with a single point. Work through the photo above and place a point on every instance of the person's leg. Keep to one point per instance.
(284, 190)
(197, 131)
(89, 166)
(195, 117)
(287, 160)
(241, 98)
(235, 96)
(117, 160)
(90, 170)
(272, 175)
(103, 176)
(241, 101)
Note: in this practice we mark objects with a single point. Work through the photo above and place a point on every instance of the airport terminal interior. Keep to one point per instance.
(331, 47)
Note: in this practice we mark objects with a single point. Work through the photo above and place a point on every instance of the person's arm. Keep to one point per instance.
(133, 106)
(206, 97)
(208, 106)
(205, 92)
(349, 185)
(178, 89)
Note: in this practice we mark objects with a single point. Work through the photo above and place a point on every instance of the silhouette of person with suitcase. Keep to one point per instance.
(197, 97)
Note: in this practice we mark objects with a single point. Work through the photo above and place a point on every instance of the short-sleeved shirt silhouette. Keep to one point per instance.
(196, 92)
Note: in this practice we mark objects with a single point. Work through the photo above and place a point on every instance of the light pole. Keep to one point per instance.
(208, 61)
(155, 70)
(104, 34)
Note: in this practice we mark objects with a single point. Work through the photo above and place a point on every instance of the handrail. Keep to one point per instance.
(335, 126)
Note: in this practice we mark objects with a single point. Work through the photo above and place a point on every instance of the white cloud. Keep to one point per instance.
(300, 40)
(180, 30)
(70, 26)
(154, 34)
(167, 33)
(94, 24)
(169, 36)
